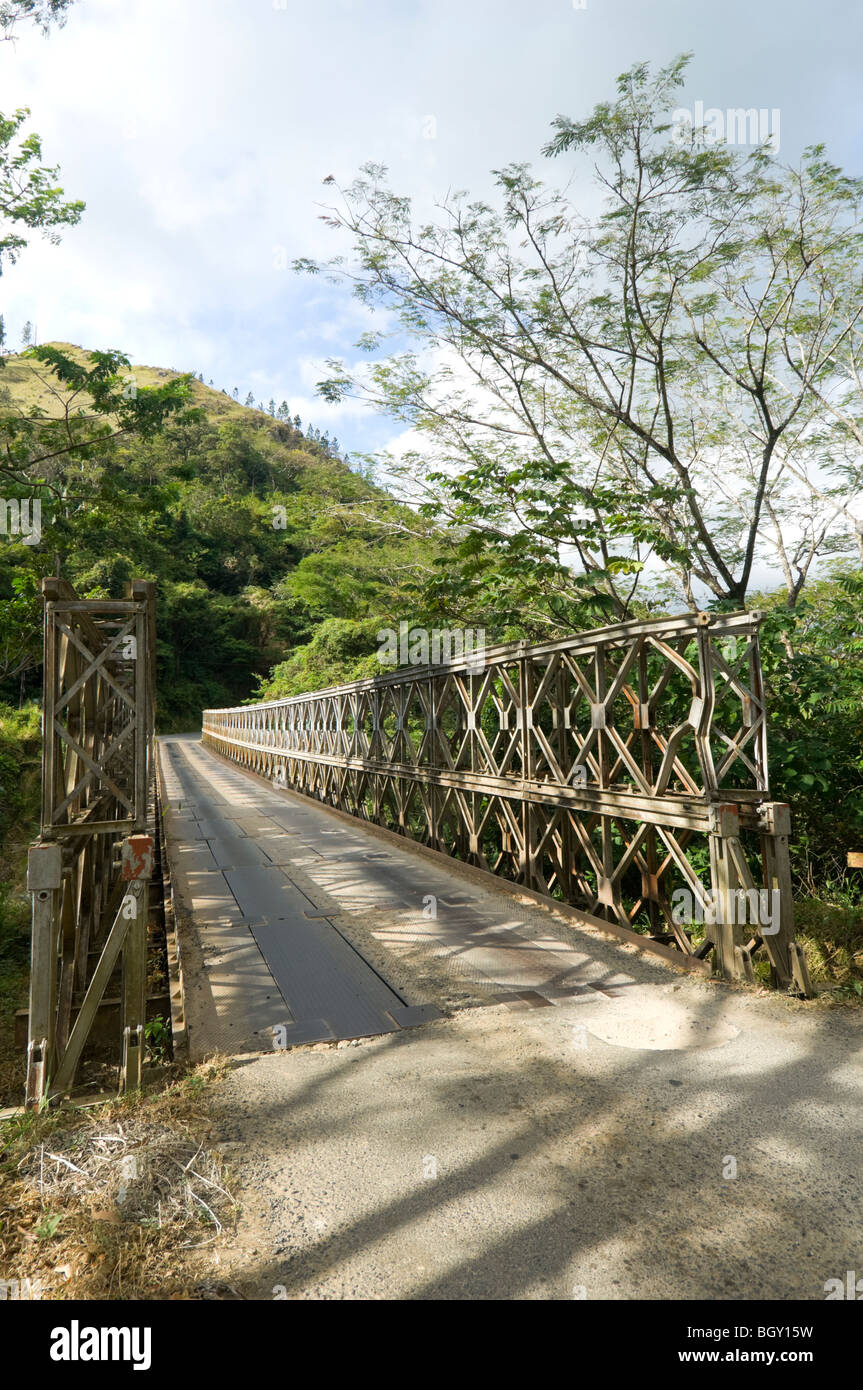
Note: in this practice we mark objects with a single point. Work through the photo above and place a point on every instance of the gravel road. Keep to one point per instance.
(686, 1141)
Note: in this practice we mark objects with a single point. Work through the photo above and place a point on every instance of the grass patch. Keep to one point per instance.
(831, 933)
(125, 1200)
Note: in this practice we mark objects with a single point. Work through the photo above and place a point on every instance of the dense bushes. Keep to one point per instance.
(20, 764)
(813, 666)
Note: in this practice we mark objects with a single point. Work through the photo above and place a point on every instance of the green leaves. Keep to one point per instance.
(29, 193)
(814, 687)
(44, 13)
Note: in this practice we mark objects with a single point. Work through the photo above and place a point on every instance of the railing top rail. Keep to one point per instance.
(582, 643)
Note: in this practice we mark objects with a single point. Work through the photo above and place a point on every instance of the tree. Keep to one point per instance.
(236, 393)
(283, 413)
(27, 334)
(605, 395)
(250, 400)
(53, 458)
(29, 195)
(41, 452)
(94, 407)
(271, 408)
(823, 346)
(42, 12)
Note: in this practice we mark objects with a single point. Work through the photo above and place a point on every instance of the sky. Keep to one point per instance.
(199, 132)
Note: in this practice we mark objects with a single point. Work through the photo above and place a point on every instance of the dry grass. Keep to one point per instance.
(127, 1200)
(29, 384)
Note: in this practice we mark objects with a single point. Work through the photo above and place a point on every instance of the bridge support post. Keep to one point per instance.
(137, 871)
(741, 921)
(726, 824)
(44, 883)
(787, 961)
(527, 864)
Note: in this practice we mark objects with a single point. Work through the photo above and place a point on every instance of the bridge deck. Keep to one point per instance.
(297, 919)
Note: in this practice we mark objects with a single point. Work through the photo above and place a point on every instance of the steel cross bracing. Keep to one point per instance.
(610, 770)
(89, 871)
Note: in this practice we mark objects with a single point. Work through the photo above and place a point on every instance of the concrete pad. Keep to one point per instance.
(658, 1025)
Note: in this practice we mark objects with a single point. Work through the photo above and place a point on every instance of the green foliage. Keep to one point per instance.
(29, 194)
(813, 668)
(832, 930)
(43, 13)
(20, 766)
(46, 1226)
(157, 1033)
(341, 650)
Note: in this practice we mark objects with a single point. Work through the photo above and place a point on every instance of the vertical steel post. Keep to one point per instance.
(137, 871)
(44, 883)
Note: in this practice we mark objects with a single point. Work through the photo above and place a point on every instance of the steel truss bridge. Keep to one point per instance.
(622, 772)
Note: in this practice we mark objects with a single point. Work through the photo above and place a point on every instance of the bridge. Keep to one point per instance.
(480, 821)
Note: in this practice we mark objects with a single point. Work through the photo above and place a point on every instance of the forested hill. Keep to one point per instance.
(267, 549)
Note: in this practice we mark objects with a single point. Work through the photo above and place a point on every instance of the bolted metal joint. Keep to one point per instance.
(774, 818)
(725, 819)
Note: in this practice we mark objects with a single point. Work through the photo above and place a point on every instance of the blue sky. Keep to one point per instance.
(199, 132)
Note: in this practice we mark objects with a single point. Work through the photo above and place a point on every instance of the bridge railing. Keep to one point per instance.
(623, 771)
(89, 871)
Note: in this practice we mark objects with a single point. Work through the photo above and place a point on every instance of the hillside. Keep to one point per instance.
(260, 541)
(30, 386)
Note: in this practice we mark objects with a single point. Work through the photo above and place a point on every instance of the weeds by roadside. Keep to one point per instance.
(124, 1200)
(832, 936)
